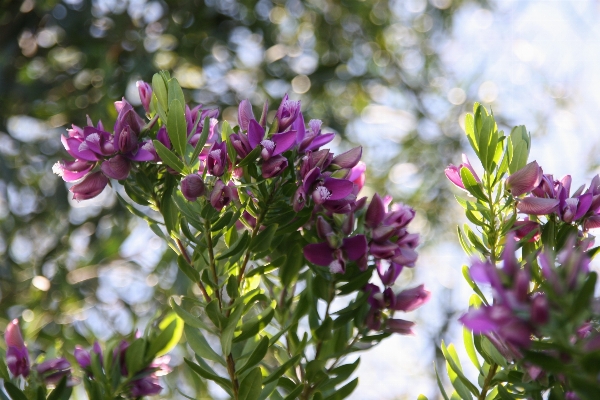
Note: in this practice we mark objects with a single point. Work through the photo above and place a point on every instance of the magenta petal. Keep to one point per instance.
(320, 140)
(585, 201)
(310, 178)
(524, 180)
(284, 141)
(411, 299)
(319, 254)
(592, 222)
(255, 133)
(145, 152)
(478, 320)
(399, 326)
(90, 187)
(79, 149)
(453, 174)
(300, 128)
(348, 159)
(537, 205)
(355, 247)
(117, 167)
(339, 188)
(245, 115)
(375, 212)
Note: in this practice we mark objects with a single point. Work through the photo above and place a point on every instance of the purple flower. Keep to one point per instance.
(221, 195)
(525, 227)
(411, 299)
(145, 91)
(192, 187)
(311, 139)
(216, 161)
(300, 200)
(352, 248)
(17, 356)
(52, 371)
(72, 171)
(537, 205)
(287, 113)
(116, 167)
(525, 180)
(127, 118)
(400, 326)
(453, 173)
(324, 188)
(91, 186)
(357, 175)
(349, 159)
(147, 386)
(275, 145)
(82, 356)
(274, 166)
(245, 115)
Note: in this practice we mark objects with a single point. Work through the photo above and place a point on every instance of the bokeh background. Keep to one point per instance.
(395, 77)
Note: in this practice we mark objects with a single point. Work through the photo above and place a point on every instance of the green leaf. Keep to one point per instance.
(293, 395)
(203, 137)
(168, 157)
(471, 185)
(262, 241)
(251, 386)
(187, 317)
(470, 131)
(171, 331)
(257, 355)
(228, 331)
(204, 373)
(14, 392)
(160, 90)
(62, 391)
(422, 397)
(176, 127)
(175, 92)
(222, 222)
(518, 148)
(200, 346)
(267, 390)
(455, 369)
(236, 248)
(255, 325)
(490, 350)
(281, 370)
(584, 297)
(169, 211)
(187, 269)
(470, 348)
(134, 356)
(251, 157)
(472, 284)
(439, 382)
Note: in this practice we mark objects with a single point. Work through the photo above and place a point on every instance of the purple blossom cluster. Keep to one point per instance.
(17, 359)
(144, 383)
(519, 313)
(327, 184)
(553, 197)
(52, 371)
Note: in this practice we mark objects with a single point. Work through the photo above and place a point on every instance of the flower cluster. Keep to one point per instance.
(17, 358)
(144, 382)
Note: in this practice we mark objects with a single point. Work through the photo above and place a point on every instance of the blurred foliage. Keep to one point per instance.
(66, 267)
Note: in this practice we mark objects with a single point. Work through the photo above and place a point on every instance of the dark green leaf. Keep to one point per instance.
(176, 127)
(251, 385)
(168, 157)
(262, 241)
(198, 343)
(14, 392)
(134, 356)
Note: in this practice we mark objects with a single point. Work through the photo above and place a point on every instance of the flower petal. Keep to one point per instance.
(537, 205)
(319, 254)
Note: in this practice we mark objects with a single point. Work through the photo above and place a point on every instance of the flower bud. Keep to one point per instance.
(348, 159)
(524, 180)
(375, 212)
(221, 195)
(399, 326)
(274, 166)
(145, 91)
(52, 371)
(17, 356)
(540, 310)
(192, 187)
(90, 187)
(287, 113)
(299, 199)
(245, 114)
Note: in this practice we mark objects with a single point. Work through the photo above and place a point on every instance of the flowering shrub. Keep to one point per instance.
(269, 227)
(538, 334)
(125, 370)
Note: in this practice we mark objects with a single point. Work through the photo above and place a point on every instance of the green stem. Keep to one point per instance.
(189, 261)
(211, 258)
(487, 382)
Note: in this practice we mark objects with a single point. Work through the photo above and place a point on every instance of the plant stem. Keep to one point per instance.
(488, 381)
(189, 261)
(231, 371)
(211, 257)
